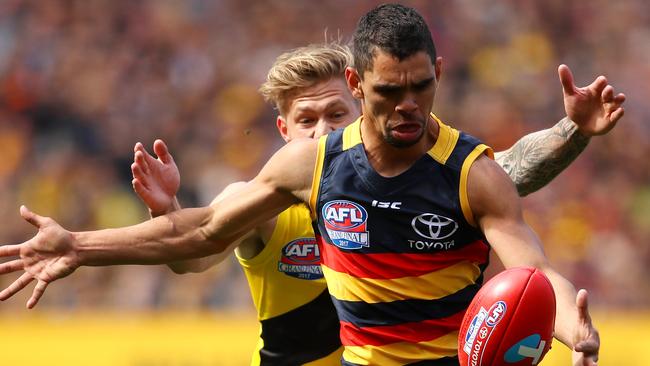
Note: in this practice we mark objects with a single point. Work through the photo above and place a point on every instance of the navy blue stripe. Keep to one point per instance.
(363, 314)
(334, 142)
(465, 145)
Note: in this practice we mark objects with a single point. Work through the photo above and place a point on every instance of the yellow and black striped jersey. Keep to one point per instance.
(298, 320)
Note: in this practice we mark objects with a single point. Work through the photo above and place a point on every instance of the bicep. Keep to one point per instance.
(497, 209)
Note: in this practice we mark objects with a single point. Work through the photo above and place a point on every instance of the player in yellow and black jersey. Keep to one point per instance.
(280, 257)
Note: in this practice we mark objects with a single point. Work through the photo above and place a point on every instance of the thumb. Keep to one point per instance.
(566, 78)
(31, 217)
(161, 150)
(582, 303)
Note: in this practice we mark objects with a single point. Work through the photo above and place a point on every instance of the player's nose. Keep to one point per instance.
(322, 128)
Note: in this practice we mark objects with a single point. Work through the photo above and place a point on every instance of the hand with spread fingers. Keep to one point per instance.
(594, 108)
(156, 181)
(586, 338)
(46, 257)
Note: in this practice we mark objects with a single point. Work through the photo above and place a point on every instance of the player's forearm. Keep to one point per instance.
(179, 235)
(537, 158)
(566, 318)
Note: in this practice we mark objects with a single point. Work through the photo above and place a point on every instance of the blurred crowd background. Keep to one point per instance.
(82, 81)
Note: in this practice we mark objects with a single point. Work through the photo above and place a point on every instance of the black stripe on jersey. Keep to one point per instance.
(445, 361)
(304, 334)
(404, 311)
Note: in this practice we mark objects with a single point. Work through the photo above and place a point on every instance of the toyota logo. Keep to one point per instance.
(432, 226)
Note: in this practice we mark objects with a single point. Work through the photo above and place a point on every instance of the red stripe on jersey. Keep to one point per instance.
(425, 330)
(398, 265)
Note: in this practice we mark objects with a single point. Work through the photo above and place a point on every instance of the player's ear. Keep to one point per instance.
(438, 67)
(281, 124)
(353, 80)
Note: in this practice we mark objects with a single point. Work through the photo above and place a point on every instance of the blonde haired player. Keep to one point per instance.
(280, 257)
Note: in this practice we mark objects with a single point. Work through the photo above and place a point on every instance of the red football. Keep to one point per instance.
(510, 321)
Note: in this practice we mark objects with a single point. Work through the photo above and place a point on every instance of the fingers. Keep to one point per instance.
(617, 114)
(589, 347)
(39, 290)
(31, 217)
(599, 85)
(138, 147)
(161, 150)
(9, 250)
(141, 159)
(607, 96)
(139, 188)
(138, 173)
(582, 304)
(619, 99)
(16, 286)
(11, 266)
(566, 78)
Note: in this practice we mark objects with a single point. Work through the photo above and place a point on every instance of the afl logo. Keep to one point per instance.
(301, 259)
(432, 226)
(344, 215)
(496, 313)
(345, 223)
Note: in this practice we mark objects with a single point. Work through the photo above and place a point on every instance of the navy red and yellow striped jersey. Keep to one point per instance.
(401, 255)
(298, 320)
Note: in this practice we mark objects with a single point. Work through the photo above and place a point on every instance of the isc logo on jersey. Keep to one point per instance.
(301, 259)
(346, 223)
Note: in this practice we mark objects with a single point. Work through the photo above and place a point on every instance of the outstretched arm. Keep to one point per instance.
(496, 207)
(537, 158)
(55, 252)
(197, 265)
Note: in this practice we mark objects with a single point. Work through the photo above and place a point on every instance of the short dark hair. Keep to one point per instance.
(393, 28)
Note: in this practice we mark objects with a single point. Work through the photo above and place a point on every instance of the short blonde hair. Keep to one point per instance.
(302, 68)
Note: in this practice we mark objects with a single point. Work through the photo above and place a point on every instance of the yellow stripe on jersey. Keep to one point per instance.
(430, 286)
(318, 170)
(352, 135)
(403, 353)
(464, 173)
(444, 146)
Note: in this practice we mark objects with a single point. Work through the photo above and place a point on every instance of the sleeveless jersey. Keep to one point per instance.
(401, 255)
(298, 321)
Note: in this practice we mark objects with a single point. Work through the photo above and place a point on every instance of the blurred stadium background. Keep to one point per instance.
(82, 81)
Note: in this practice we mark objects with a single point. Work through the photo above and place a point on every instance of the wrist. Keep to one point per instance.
(173, 206)
(573, 131)
(78, 257)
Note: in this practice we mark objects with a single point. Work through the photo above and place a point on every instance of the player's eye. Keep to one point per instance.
(339, 115)
(306, 121)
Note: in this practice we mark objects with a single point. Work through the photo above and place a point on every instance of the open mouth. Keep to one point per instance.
(407, 131)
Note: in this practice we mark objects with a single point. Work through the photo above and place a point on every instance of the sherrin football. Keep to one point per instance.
(510, 321)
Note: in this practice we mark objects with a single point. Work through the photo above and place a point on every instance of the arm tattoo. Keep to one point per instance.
(537, 158)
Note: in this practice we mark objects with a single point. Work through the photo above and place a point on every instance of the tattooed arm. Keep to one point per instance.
(537, 158)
